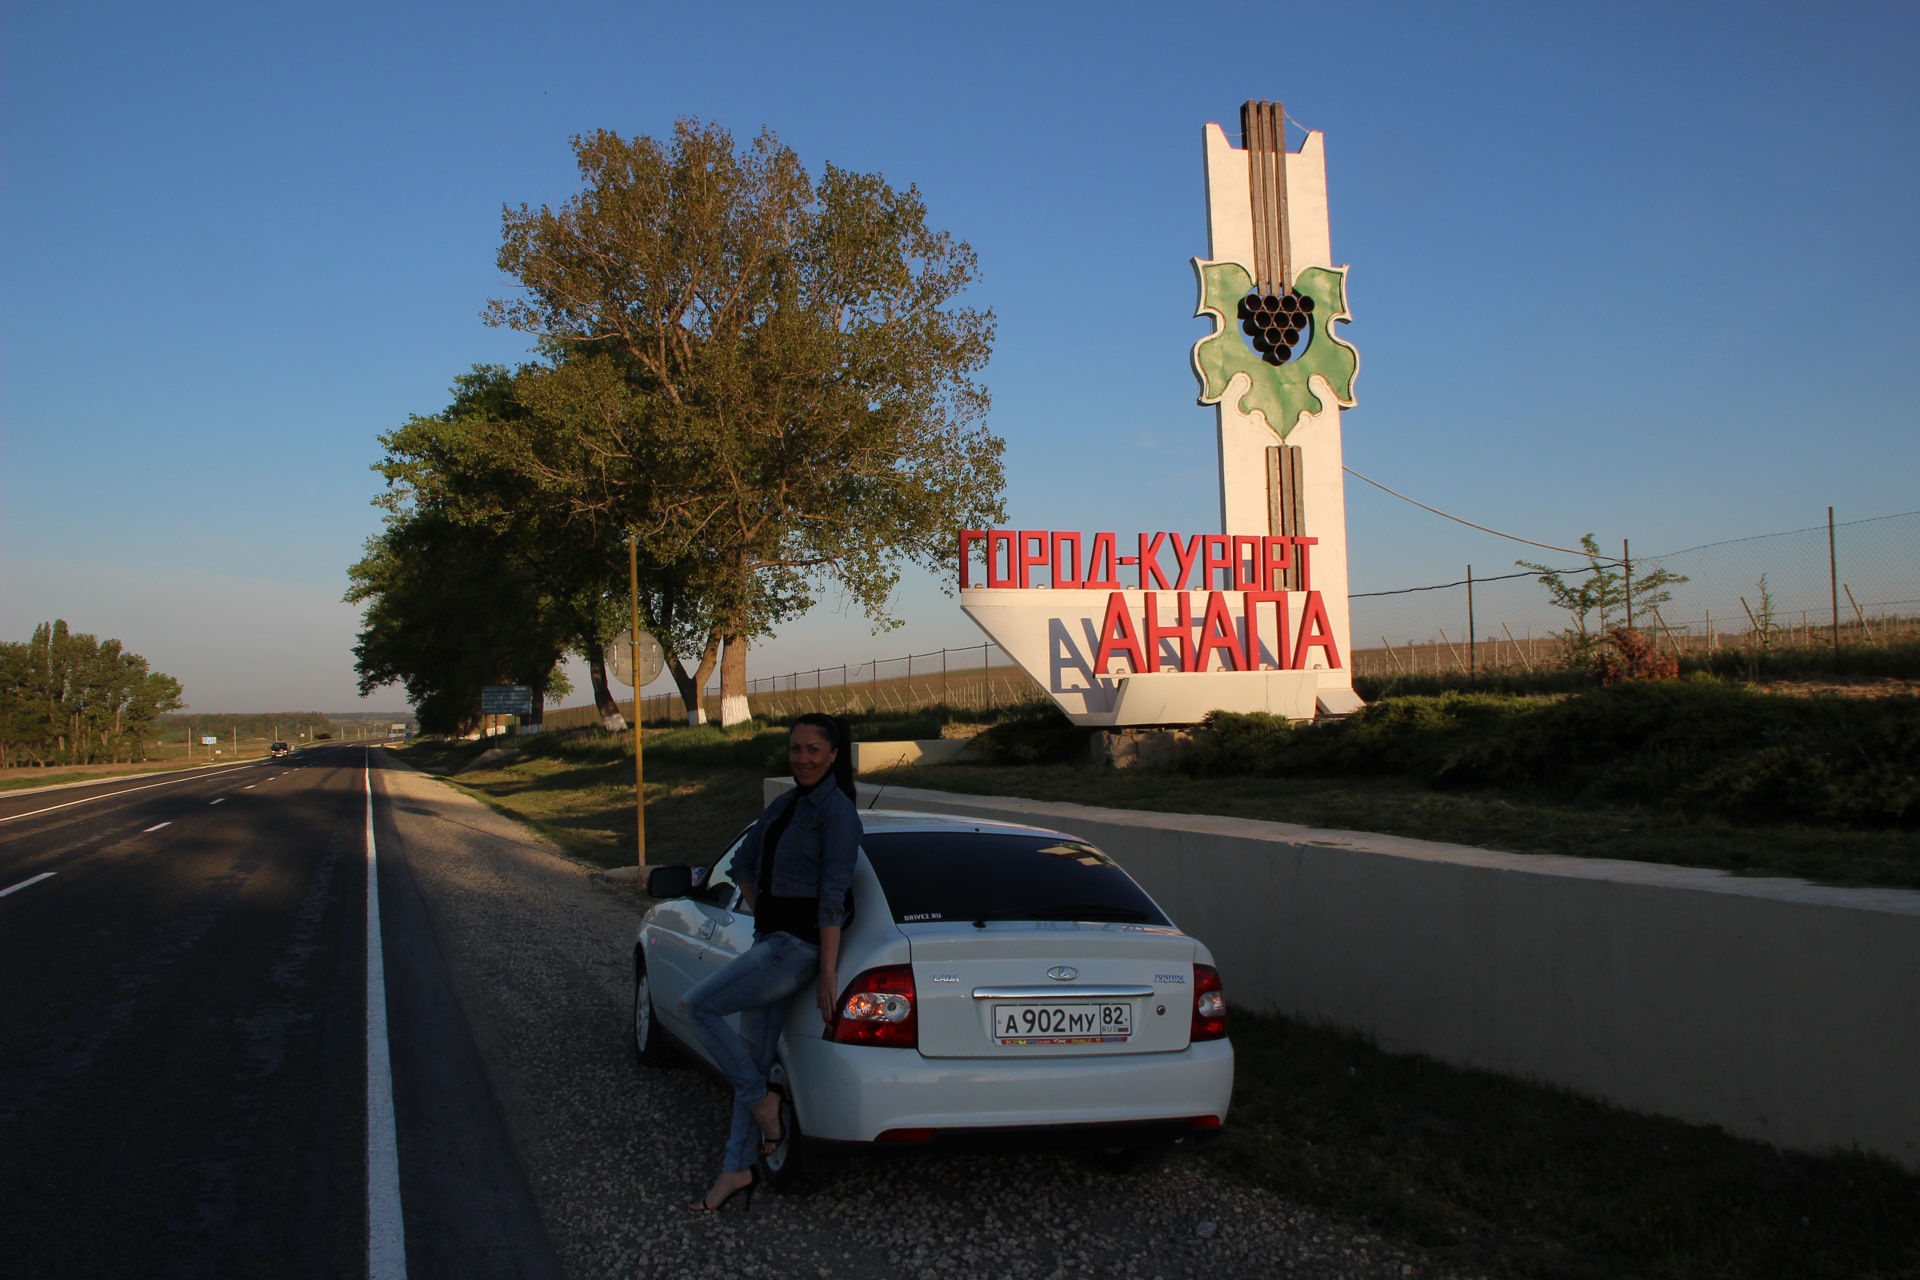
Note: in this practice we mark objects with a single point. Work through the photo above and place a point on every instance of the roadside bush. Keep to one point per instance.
(1395, 736)
(1698, 746)
(1633, 655)
(1038, 733)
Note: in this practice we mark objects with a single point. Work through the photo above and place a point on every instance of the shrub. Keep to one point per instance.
(1632, 655)
(1697, 746)
(1037, 733)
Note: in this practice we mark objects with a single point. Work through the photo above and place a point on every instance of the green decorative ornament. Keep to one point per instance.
(1281, 390)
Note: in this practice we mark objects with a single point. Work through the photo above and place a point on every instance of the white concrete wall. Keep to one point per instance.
(1780, 1010)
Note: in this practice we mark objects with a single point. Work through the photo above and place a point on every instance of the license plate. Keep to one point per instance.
(1031, 1024)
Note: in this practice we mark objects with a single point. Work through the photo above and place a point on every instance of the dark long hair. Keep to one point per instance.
(840, 738)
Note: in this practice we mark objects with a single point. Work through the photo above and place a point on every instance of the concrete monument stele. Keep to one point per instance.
(1161, 628)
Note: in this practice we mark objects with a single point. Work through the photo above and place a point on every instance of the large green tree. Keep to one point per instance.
(452, 607)
(763, 378)
(469, 583)
(449, 464)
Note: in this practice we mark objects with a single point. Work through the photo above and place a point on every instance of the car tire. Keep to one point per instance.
(781, 1171)
(649, 1044)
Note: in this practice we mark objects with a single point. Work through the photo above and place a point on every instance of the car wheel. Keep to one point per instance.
(781, 1170)
(649, 1046)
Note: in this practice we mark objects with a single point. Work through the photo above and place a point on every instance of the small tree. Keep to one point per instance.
(65, 695)
(1597, 601)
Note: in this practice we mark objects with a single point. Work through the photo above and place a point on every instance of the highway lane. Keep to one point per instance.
(183, 1039)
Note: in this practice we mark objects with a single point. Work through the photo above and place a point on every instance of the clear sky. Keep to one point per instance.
(1647, 270)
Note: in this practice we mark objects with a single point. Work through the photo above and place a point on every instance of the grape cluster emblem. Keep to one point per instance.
(1274, 323)
(1289, 363)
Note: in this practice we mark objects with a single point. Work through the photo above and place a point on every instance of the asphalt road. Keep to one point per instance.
(186, 1087)
(184, 1080)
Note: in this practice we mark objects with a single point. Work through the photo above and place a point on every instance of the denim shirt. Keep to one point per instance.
(816, 850)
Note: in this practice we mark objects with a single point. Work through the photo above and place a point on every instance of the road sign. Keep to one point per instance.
(210, 741)
(506, 699)
(653, 659)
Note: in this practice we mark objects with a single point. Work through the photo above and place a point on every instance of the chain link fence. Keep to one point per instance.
(1775, 590)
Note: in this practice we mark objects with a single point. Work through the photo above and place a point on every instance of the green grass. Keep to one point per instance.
(20, 779)
(1494, 1176)
(576, 786)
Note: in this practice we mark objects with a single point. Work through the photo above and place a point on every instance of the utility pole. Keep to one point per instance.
(639, 770)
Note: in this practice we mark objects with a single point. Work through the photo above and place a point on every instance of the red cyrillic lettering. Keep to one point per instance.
(1316, 632)
(1282, 631)
(1150, 574)
(1216, 559)
(1102, 573)
(1246, 563)
(1183, 558)
(1153, 633)
(1217, 631)
(1276, 557)
(1118, 637)
(1306, 564)
(1033, 551)
(1070, 578)
(1000, 551)
(967, 538)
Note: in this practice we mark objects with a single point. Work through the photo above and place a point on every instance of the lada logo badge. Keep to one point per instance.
(1063, 973)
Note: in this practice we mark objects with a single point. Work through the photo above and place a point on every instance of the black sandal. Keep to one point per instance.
(770, 1145)
(746, 1203)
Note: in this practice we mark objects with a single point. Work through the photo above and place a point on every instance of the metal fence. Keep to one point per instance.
(1778, 589)
(977, 678)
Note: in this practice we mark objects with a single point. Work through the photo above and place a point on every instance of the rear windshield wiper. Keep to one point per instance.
(1102, 911)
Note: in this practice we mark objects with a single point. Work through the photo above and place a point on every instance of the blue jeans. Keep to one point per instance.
(756, 985)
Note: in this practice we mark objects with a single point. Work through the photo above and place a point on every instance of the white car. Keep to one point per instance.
(999, 980)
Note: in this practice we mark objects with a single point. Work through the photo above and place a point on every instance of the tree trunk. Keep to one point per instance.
(603, 701)
(692, 686)
(535, 721)
(733, 682)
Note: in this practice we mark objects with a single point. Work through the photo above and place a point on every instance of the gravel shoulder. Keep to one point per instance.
(538, 944)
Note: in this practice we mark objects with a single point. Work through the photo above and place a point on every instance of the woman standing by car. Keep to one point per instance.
(794, 869)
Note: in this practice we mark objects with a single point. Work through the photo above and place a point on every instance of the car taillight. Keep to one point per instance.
(877, 1008)
(1209, 1004)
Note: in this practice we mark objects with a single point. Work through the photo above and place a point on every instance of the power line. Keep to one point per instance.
(1511, 537)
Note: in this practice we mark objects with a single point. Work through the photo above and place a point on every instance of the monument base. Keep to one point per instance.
(1176, 697)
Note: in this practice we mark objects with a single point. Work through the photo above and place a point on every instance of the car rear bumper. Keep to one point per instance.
(861, 1093)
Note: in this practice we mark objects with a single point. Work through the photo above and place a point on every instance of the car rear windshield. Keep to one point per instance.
(978, 875)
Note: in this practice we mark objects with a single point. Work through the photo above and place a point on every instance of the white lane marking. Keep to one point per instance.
(216, 801)
(386, 1232)
(44, 875)
(250, 786)
(129, 791)
(156, 826)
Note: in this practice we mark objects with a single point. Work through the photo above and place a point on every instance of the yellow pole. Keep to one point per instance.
(633, 659)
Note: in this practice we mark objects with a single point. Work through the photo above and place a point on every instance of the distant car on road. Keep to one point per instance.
(1002, 981)
(280, 749)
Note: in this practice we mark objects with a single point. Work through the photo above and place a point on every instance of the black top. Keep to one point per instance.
(772, 913)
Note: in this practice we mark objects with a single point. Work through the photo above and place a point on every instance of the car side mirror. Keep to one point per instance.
(669, 882)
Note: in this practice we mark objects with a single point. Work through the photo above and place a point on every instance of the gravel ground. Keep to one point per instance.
(538, 947)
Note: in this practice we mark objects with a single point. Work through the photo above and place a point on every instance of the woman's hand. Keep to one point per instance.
(826, 992)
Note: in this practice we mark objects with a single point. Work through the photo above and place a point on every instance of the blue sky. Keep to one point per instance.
(1642, 270)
